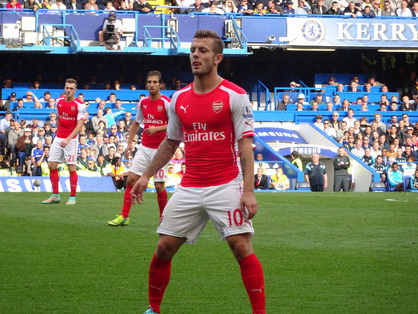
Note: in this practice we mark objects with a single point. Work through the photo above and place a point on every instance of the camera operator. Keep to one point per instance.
(109, 36)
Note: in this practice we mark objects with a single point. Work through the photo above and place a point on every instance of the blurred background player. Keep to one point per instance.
(71, 115)
(213, 117)
(152, 111)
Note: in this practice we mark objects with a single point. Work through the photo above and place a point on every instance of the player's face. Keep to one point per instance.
(202, 57)
(153, 85)
(70, 89)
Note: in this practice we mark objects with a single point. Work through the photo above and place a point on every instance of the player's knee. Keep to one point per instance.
(167, 246)
(240, 246)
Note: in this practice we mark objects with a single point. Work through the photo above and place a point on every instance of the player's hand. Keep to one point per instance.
(64, 142)
(151, 130)
(138, 190)
(249, 204)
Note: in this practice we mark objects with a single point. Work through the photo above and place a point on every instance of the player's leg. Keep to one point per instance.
(223, 206)
(162, 196)
(54, 178)
(55, 156)
(70, 157)
(123, 218)
(346, 183)
(337, 183)
(251, 270)
(160, 270)
(139, 163)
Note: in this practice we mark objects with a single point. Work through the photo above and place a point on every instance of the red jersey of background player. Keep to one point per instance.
(68, 114)
(210, 125)
(153, 113)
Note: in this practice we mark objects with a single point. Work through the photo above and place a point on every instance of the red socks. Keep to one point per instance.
(159, 276)
(253, 279)
(53, 176)
(73, 183)
(127, 201)
(162, 199)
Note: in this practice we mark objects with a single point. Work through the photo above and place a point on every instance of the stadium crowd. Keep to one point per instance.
(365, 8)
(103, 140)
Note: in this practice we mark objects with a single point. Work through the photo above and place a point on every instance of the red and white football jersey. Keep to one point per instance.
(210, 125)
(153, 113)
(68, 115)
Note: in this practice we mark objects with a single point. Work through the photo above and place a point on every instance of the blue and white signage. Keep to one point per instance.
(85, 184)
(352, 32)
(279, 134)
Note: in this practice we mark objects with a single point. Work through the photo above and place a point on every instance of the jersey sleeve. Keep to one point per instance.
(242, 116)
(139, 116)
(81, 112)
(174, 129)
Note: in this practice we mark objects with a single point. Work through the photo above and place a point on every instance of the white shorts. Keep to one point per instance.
(142, 158)
(67, 154)
(189, 209)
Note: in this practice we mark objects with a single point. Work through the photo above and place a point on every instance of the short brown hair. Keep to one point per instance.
(71, 81)
(154, 73)
(218, 45)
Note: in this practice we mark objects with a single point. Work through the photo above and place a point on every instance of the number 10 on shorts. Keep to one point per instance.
(235, 217)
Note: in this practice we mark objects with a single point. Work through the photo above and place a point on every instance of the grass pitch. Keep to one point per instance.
(321, 253)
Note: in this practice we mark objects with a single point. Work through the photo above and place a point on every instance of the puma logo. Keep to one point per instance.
(184, 108)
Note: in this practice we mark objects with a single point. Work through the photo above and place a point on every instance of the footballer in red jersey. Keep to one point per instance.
(214, 119)
(71, 116)
(152, 112)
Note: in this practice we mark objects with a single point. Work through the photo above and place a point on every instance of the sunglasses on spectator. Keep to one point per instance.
(326, 122)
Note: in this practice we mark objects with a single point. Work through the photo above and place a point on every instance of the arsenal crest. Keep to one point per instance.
(217, 106)
(160, 108)
(73, 108)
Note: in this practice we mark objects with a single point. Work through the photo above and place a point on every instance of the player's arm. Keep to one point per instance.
(154, 129)
(162, 157)
(74, 133)
(325, 180)
(132, 133)
(248, 200)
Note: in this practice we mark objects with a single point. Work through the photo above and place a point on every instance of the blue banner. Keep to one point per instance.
(353, 32)
(85, 184)
(279, 134)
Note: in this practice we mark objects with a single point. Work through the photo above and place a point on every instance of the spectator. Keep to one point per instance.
(99, 146)
(91, 5)
(345, 105)
(279, 181)
(198, 6)
(12, 138)
(260, 180)
(296, 160)
(74, 5)
(259, 163)
(350, 118)
(395, 178)
(414, 12)
(318, 122)
(13, 4)
(259, 9)
(245, 7)
(29, 4)
(387, 9)
(407, 105)
(282, 105)
(36, 154)
(320, 9)
(341, 177)
(316, 174)
(404, 11)
(213, 9)
(289, 8)
(413, 182)
(4, 125)
(380, 168)
(367, 12)
(273, 8)
(376, 7)
(367, 158)
(304, 8)
(143, 6)
(119, 173)
(173, 179)
(58, 5)
(24, 146)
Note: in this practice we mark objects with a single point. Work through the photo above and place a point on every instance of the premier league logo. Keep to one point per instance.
(247, 112)
(313, 31)
(217, 106)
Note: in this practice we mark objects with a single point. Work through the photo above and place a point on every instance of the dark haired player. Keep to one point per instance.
(152, 111)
